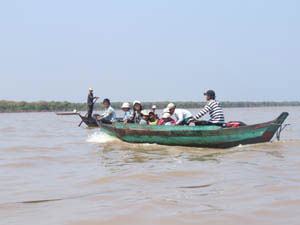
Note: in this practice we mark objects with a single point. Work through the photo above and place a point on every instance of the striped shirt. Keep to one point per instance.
(215, 111)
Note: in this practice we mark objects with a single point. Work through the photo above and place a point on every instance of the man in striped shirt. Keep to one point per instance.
(213, 108)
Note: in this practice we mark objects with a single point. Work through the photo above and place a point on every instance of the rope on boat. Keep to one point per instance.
(280, 129)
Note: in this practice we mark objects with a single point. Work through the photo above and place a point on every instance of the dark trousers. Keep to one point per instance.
(90, 110)
(185, 121)
(106, 121)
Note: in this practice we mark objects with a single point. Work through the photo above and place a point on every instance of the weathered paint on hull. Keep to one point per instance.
(197, 141)
(201, 136)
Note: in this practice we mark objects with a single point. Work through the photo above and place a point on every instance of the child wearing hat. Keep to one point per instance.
(145, 117)
(136, 116)
(127, 112)
(166, 118)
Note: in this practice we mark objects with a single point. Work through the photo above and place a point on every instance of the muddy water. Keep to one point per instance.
(52, 172)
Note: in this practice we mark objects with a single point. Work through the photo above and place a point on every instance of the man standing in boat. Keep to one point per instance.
(90, 102)
(213, 108)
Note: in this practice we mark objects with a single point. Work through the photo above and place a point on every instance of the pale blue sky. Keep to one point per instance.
(149, 50)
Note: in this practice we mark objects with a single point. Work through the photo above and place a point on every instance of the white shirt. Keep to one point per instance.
(109, 114)
(181, 115)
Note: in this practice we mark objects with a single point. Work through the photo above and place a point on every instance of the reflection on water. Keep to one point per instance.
(53, 172)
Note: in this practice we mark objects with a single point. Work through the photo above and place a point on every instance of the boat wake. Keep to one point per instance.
(100, 137)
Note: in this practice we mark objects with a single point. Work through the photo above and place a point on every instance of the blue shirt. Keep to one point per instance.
(127, 115)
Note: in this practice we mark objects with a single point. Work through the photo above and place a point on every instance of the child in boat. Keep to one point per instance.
(127, 112)
(145, 117)
(153, 118)
(166, 119)
(136, 115)
(153, 108)
(109, 114)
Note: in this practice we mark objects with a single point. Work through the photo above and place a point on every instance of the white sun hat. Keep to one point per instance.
(166, 115)
(166, 110)
(154, 107)
(171, 106)
(91, 89)
(136, 102)
(125, 105)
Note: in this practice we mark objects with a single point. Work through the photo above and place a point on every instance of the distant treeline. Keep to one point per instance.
(42, 106)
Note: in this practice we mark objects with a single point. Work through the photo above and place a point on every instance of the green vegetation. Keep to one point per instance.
(42, 106)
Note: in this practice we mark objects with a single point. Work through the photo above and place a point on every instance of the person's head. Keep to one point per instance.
(171, 107)
(137, 106)
(152, 116)
(166, 116)
(145, 114)
(91, 90)
(210, 95)
(154, 108)
(165, 113)
(125, 107)
(106, 103)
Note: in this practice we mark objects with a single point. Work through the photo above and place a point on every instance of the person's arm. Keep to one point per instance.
(128, 115)
(179, 117)
(103, 115)
(204, 111)
(107, 113)
(132, 116)
(160, 122)
(173, 122)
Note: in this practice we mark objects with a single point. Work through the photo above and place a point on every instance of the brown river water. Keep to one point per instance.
(54, 173)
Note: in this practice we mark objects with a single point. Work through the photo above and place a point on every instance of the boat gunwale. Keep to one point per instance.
(187, 128)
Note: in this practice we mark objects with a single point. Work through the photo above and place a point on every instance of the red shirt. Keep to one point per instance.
(164, 121)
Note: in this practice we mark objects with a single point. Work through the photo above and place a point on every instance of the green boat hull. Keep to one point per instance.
(195, 136)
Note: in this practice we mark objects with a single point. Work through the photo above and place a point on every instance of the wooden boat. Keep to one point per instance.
(89, 122)
(196, 136)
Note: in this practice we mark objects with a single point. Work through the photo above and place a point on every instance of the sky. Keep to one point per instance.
(150, 50)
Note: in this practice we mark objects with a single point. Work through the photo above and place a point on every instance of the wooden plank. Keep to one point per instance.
(67, 114)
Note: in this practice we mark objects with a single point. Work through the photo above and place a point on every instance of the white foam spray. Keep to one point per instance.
(100, 137)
